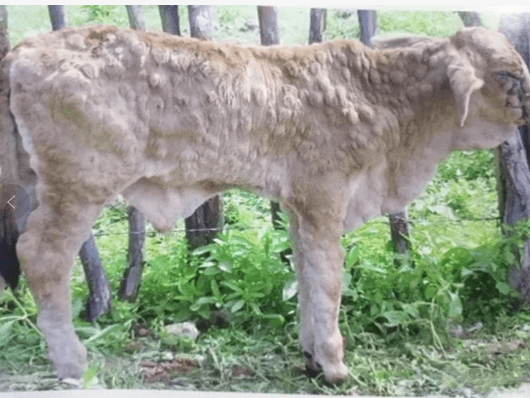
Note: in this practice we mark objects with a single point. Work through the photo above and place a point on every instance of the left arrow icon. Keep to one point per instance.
(10, 201)
(20, 202)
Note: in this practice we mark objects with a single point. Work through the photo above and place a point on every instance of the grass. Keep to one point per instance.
(397, 342)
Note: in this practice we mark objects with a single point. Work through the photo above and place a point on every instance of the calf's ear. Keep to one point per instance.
(463, 82)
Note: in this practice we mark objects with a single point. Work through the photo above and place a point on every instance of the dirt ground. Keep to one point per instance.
(521, 392)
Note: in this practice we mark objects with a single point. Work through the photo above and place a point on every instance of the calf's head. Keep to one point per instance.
(488, 77)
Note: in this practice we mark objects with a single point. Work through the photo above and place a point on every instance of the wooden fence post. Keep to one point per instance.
(368, 23)
(316, 24)
(3, 18)
(136, 17)
(98, 285)
(399, 227)
(204, 224)
(170, 19)
(4, 37)
(268, 25)
(57, 17)
(513, 173)
(201, 25)
(132, 277)
(470, 18)
(270, 35)
(513, 156)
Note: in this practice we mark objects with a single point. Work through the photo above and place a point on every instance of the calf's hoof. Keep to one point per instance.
(72, 384)
(335, 373)
(69, 361)
(332, 373)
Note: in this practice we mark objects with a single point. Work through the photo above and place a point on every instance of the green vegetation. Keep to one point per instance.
(400, 316)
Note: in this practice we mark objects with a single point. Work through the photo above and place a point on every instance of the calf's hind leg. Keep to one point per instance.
(46, 251)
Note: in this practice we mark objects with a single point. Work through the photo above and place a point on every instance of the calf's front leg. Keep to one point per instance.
(318, 258)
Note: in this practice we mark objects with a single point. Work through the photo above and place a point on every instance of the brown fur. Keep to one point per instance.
(337, 132)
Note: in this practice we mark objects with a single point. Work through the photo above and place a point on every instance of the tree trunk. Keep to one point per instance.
(203, 225)
(98, 285)
(268, 28)
(4, 37)
(514, 173)
(270, 35)
(316, 26)
(470, 18)
(57, 17)
(514, 168)
(201, 25)
(170, 19)
(268, 25)
(132, 279)
(399, 231)
(136, 17)
(3, 18)
(368, 24)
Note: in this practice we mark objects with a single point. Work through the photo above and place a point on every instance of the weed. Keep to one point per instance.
(98, 13)
(104, 14)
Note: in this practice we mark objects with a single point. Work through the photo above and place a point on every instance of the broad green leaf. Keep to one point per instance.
(232, 286)
(201, 301)
(346, 280)
(237, 306)
(455, 306)
(431, 291)
(290, 289)
(202, 250)
(182, 315)
(504, 288)
(205, 312)
(215, 289)
(395, 318)
(411, 309)
(5, 332)
(225, 266)
(274, 320)
(457, 255)
(352, 257)
(210, 271)
(109, 329)
(89, 378)
(256, 309)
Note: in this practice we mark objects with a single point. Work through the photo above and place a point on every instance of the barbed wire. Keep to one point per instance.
(227, 228)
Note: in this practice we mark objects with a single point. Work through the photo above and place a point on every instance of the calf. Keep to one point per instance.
(337, 132)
